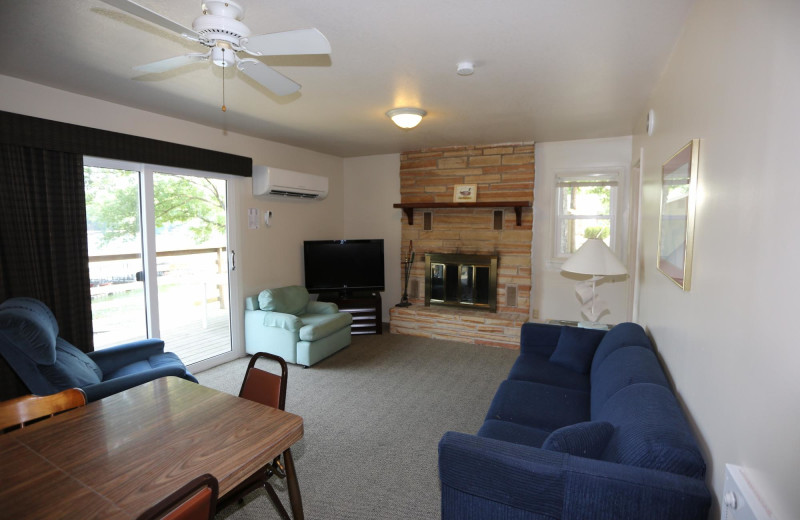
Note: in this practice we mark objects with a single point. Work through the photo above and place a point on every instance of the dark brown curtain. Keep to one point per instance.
(43, 250)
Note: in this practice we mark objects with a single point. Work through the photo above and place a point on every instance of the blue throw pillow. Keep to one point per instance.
(576, 347)
(586, 439)
(72, 369)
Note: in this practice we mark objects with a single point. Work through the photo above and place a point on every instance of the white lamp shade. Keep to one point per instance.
(594, 257)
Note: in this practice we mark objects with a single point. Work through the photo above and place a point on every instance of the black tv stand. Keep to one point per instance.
(365, 306)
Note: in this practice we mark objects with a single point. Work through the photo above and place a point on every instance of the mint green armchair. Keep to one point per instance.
(286, 323)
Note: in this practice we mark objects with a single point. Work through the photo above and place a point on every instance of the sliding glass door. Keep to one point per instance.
(159, 251)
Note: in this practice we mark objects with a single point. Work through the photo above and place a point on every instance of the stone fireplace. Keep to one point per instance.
(490, 227)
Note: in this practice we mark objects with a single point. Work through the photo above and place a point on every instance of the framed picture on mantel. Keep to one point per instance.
(465, 193)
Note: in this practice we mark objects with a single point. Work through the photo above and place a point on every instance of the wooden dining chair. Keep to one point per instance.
(269, 389)
(22, 410)
(195, 500)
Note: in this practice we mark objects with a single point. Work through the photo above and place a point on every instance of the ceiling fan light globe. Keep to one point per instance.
(223, 57)
(406, 117)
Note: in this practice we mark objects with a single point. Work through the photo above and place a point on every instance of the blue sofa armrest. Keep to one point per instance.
(539, 338)
(498, 479)
(485, 478)
(317, 307)
(113, 358)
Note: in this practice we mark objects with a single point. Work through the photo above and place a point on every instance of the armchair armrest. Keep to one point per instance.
(113, 358)
(282, 320)
(495, 477)
(318, 307)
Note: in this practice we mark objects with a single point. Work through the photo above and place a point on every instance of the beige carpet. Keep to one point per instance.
(373, 416)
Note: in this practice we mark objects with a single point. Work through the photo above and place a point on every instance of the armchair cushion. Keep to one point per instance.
(32, 326)
(291, 300)
(318, 326)
(166, 359)
(72, 368)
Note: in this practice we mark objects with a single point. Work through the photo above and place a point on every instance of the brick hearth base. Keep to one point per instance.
(466, 326)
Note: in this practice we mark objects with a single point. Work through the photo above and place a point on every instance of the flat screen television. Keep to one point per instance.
(344, 266)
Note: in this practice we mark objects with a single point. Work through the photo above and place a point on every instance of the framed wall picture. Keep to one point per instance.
(678, 200)
(465, 193)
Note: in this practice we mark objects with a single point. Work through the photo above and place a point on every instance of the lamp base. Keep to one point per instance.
(593, 325)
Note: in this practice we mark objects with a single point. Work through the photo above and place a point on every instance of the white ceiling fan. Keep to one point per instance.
(220, 28)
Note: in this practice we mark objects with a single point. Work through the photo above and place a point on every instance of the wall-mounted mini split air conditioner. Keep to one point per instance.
(276, 182)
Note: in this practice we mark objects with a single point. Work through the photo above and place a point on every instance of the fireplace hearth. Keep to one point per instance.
(466, 281)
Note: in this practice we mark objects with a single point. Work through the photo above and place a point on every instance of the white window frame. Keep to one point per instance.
(613, 177)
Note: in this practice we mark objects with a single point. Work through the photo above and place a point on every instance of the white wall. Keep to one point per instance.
(553, 292)
(372, 185)
(268, 257)
(730, 344)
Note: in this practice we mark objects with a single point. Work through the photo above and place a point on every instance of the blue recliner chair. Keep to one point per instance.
(47, 364)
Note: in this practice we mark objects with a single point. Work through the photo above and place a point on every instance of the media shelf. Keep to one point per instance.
(365, 308)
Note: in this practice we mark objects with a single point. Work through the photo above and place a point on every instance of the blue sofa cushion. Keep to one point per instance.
(539, 369)
(539, 338)
(622, 335)
(31, 327)
(72, 369)
(537, 405)
(650, 431)
(511, 432)
(624, 367)
(575, 348)
(585, 439)
(291, 300)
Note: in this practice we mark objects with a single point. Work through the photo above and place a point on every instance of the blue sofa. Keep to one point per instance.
(585, 427)
(47, 363)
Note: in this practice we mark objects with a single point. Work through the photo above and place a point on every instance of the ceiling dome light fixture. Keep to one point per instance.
(406, 117)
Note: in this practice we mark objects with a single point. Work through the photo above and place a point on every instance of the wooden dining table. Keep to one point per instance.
(114, 458)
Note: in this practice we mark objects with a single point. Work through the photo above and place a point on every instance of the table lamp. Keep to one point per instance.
(594, 258)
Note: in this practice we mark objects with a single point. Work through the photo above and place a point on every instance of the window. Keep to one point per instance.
(586, 207)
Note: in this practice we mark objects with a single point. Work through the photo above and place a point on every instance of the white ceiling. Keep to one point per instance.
(545, 70)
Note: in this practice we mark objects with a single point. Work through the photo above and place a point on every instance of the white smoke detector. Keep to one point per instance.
(465, 68)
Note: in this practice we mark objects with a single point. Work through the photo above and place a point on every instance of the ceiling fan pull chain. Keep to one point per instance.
(224, 64)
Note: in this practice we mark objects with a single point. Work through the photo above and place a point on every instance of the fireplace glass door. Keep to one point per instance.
(461, 280)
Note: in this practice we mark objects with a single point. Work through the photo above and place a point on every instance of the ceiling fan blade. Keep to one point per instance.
(301, 41)
(269, 77)
(171, 63)
(152, 16)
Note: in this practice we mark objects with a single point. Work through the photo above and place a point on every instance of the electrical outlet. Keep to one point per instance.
(535, 314)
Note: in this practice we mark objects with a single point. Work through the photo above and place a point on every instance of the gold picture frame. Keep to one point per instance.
(465, 193)
(676, 227)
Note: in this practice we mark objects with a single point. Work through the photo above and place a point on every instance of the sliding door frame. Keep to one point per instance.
(147, 218)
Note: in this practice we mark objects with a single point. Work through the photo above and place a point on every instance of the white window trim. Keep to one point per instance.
(617, 173)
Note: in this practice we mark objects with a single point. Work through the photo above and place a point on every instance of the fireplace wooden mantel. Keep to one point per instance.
(409, 207)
